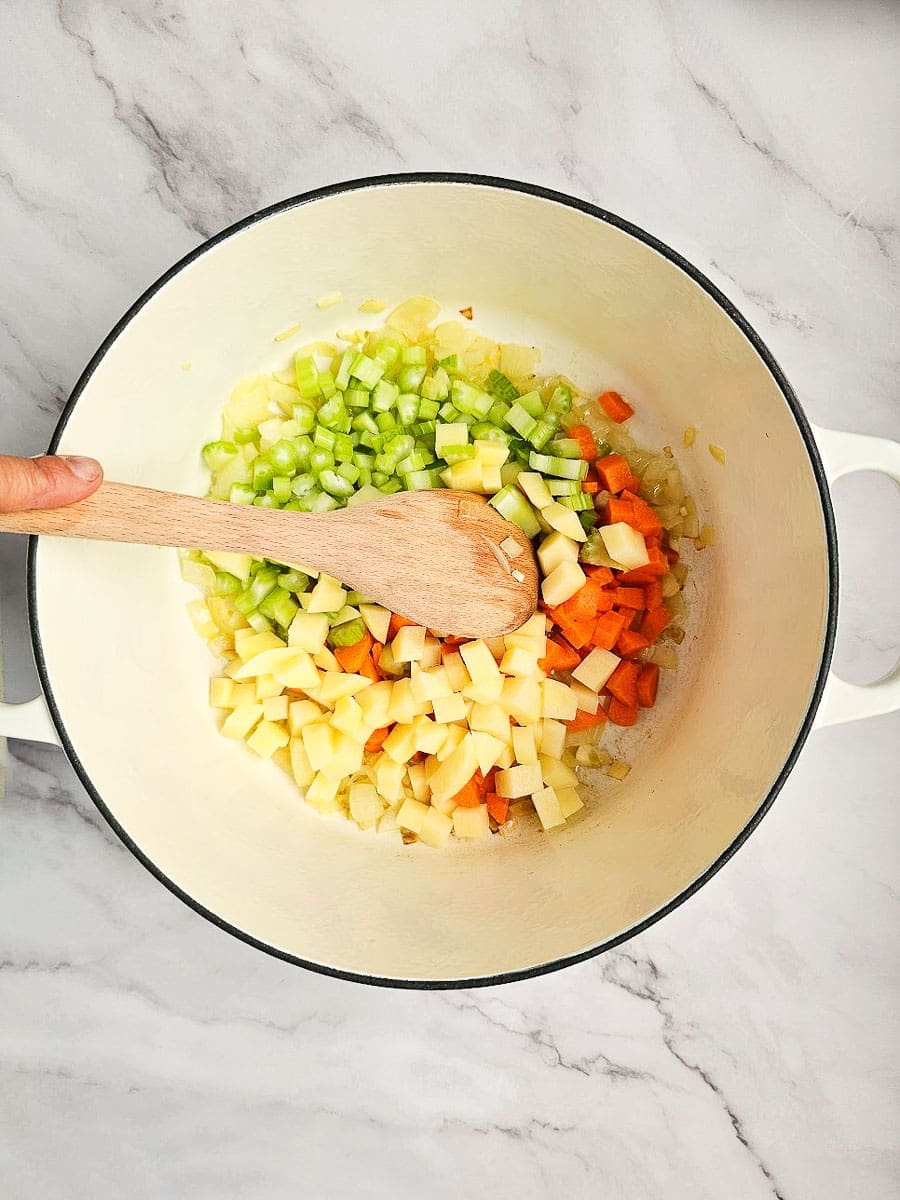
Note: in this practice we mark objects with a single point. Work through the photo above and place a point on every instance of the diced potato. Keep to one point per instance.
(625, 545)
(522, 700)
(519, 781)
(266, 686)
(588, 700)
(480, 663)
(488, 718)
(241, 720)
(553, 738)
(301, 673)
(487, 750)
(327, 596)
(532, 484)
(375, 702)
(347, 613)
(348, 754)
(308, 631)
(418, 781)
(448, 708)
(491, 479)
(557, 774)
(348, 718)
(562, 583)
(471, 822)
(558, 701)
(409, 644)
(506, 758)
(322, 792)
(300, 713)
(429, 685)
(234, 564)
(267, 737)
(466, 476)
(564, 520)
(402, 707)
(248, 693)
(546, 804)
(400, 743)
(456, 434)
(457, 675)
(336, 684)
(431, 656)
(569, 801)
(445, 805)
(485, 691)
(270, 661)
(388, 822)
(389, 777)
(276, 708)
(221, 690)
(517, 661)
(326, 661)
(412, 815)
(496, 645)
(377, 621)
(366, 806)
(201, 618)
(455, 735)
(594, 670)
(429, 736)
(300, 765)
(318, 741)
(524, 747)
(535, 627)
(436, 828)
(248, 643)
(456, 770)
(491, 453)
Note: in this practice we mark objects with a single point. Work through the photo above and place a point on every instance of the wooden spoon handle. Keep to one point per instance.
(119, 512)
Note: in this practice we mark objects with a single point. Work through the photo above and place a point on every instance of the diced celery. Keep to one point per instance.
(541, 434)
(305, 417)
(498, 385)
(579, 503)
(367, 370)
(510, 502)
(241, 493)
(348, 471)
(335, 484)
(470, 399)
(279, 605)
(356, 397)
(561, 400)
(566, 448)
(365, 423)
(263, 474)
(227, 584)
(244, 437)
(342, 375)
(407, 408)
(281, 486)
(217, 454)
(564, 468)
(294, 581)
(347, 634)
(301, 484)
(521, 421)
(454, 454)
(423, 481)
(563, 487)
(307, 375)
(320, 460)
(417, 461)
(410, 378)
(428, 409)
(532, 404)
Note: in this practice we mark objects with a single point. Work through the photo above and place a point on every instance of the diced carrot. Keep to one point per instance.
(579, 633)
(645, 519)
(559, 656)
(615, 407)
(658, 565)
(633, 485)
(397, 622)
(590, 487)
(629, 597)
(629, 643)
(603, 574)
(647, 684)
(586, 720)
(654, 623)
(623, 682)
(607, 630)
(487, 781)
(653, 596)
(376, 739)
(352, 657)
(585, 440)
(367, 667)
(619, 510)
(620, 713)
(614, 472)
(498, 807)
(470, 795)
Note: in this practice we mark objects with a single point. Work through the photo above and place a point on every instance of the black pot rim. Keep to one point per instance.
(530, 189)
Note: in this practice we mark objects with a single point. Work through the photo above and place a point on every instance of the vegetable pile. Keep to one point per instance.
(384, 721)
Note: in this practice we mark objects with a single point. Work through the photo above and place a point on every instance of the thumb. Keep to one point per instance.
(46, 482)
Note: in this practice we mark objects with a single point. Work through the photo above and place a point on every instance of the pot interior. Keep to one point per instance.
(129, 677)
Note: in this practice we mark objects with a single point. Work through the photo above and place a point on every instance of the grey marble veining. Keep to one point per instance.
(742, 1048)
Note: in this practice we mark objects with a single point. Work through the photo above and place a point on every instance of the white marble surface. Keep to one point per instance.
(744, 1047)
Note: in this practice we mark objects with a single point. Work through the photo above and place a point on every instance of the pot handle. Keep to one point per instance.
(843, 453)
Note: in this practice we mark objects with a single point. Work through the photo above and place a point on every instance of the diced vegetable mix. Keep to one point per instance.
(381, 720)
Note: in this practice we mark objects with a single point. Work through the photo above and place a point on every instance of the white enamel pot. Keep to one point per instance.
(125, 677)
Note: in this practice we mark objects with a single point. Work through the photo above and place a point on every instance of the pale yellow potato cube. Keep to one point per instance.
(318, 741)
(471, 822)
(412, 816)
(457, 675)
(308, 632)
(554, 549)
(377, 621)
(327, 596)
(300, 765)
(563, 582)
(517, 661)
(429, 736)
(558, 701)
(264, 687)
(456, 770)
(505, 758)
(488, 750)
(491, 453)
(569, 801)
(485, 691)
(588, 700)
(388, 822)
(491, 479)
(534, 487)
(563, 520)
(553, 738)
(248, 693)
(431, 656)
(427, 685)
(402, 708)
(455, 735)
(409, 644)
(269, 662)
(464, 476)
(276, 708)
(348, 718)
(480, 663)
(594, 670)
(556, 773)
(518, 781)
(625, 545)
(389, 776)
(435, 829)
(300, 713)
(400, 743)
(522, 699)
(449, 708)
(496, 645)
(418, 781)
(366, 806)
(524, 746)
(221, 690)
(240, 721)
(546, 804)
(488, 718)
(336, 684)
(325, 660)
(534, 627)
(347, 613)
(267, 737)
(375, 702)
(233, 564)
(348, 754)
(322, 792)
(445, 805)
(201, 618)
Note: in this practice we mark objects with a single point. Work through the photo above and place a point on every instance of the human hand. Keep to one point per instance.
(46, 482)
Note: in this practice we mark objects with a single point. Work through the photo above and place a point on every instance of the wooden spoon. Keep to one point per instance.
(432, 556)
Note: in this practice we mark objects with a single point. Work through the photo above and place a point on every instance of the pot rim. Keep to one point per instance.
(790, 398)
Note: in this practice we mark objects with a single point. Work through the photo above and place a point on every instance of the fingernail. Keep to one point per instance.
(83, 468)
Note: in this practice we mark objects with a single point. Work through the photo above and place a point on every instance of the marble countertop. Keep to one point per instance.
(742, 1048)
